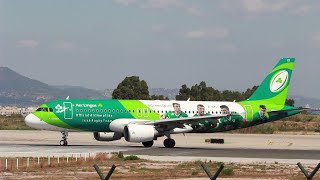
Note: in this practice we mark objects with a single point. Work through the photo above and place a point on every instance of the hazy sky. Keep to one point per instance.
(229, 44)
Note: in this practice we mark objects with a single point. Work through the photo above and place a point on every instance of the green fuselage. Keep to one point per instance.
(96, 115)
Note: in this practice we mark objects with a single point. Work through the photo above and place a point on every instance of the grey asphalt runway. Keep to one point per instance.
(270, 148)
(229, 152)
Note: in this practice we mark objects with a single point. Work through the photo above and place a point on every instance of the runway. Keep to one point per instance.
(230, 152)
(282, 148)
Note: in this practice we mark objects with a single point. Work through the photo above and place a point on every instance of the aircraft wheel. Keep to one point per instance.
(63, 143)
(148, 144)
(169, 143)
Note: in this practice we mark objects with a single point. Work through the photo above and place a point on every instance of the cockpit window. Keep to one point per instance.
(44, 109)
(40, 109)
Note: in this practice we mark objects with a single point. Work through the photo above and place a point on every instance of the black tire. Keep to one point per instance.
(165, 143)
(61, 143)
(65, 143)
(169, 143)
(148, 144)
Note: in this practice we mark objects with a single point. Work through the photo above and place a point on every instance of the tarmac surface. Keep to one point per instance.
(237, 148)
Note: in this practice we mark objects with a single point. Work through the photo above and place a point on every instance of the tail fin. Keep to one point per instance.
(274, 88)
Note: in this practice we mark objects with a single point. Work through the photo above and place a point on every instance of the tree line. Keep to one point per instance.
(134, 88)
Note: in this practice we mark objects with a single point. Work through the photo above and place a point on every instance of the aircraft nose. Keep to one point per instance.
(32, 120)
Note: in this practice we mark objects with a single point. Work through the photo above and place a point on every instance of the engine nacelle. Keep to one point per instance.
(119, 124)
(110, 136)
(139, 133)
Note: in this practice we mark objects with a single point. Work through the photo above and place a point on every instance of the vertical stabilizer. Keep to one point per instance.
(274, 88)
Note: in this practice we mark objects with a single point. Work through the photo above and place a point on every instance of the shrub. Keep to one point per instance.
(227, 172)
(131, 158)
(194, 173)
(120, 155)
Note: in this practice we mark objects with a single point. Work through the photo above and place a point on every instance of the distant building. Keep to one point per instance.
(8, 111)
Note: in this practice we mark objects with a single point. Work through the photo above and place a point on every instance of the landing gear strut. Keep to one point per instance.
(147, 144)
(64, 141)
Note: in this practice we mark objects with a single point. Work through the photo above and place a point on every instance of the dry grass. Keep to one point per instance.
(14, 122)
(145, 169)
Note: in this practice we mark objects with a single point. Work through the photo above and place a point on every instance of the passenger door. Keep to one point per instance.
(68, 110)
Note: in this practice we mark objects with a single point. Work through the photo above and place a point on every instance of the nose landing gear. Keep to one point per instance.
(64, 141)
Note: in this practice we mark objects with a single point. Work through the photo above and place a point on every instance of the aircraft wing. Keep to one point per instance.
(271, 113)
(178, 122)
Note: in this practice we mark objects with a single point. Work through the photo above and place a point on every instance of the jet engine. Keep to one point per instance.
(139, 133)
(110, 136)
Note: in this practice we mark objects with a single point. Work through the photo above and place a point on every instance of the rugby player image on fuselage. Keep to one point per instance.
(201, 111)
(177, 113)
(262, 114)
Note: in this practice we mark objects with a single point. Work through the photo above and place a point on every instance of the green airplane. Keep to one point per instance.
(143, 121)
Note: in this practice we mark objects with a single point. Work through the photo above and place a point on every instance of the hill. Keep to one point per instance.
(19, 90)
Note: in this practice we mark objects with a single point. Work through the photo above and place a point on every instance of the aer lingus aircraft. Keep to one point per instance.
(143, 121)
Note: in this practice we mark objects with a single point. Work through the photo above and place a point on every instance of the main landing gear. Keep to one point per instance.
(64, 141)
(148, 144)
(169, 143)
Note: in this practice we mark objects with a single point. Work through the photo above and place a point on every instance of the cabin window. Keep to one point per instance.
(113, 110)
(81, 110)
(85, 110)
(109, 110)
(129, 111)
(133, 111)
(77, 110)
(117, 110)
(50, 110)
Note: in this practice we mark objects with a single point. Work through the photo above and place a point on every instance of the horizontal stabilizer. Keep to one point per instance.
(272, 113)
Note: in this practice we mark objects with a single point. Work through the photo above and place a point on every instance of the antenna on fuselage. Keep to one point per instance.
(188, 99)
(67, 98)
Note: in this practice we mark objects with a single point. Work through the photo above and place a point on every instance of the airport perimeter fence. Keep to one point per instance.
(25, 163)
